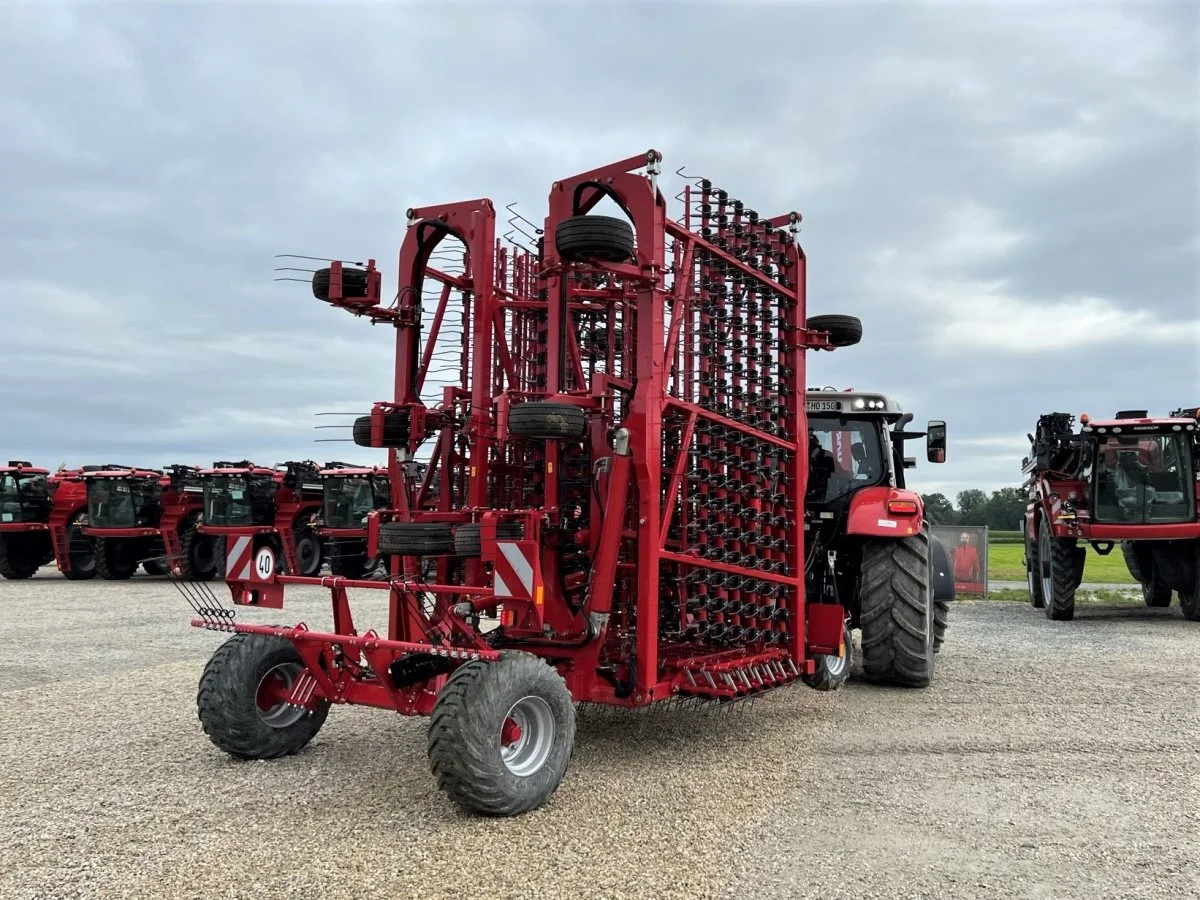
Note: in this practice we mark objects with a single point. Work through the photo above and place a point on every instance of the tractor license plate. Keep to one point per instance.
(823, 405)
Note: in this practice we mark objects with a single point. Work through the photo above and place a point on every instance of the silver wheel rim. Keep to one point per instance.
(835, 665)
(280, 715)
(528, 752)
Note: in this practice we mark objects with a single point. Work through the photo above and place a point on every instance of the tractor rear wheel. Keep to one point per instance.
(17, 559)
(199, 552)
(602, 238)
(1060, 567)
(502, 734)
(546, 421)
(896, 611)
(242, 698)
(415, 539)
(832, 671)
(115, 559)
(1036, 600)
(81, 550)
(844, 331)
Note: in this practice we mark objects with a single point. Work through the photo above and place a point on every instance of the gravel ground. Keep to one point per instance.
(1048, 760)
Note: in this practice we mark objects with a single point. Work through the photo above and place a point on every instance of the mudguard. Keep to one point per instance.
(870, 515)
(943, 576)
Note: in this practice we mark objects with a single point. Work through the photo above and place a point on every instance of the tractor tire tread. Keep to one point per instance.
(894, 613)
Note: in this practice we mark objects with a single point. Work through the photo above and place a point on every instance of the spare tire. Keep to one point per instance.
(354, 283)
(546, 421)
(468, 538)
(395, 430)
(603, 238)
(415, 538)
(844, 331)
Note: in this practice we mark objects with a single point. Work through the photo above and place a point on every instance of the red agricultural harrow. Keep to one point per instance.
(271, 507)
(41, 520)
(1130, 479)
(622, 464)
(147, 517)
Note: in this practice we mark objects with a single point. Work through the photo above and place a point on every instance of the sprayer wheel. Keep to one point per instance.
(1060, 569)
(501, 734)
(415, 538)
(468, 538)
(354, 283)
(844, 331)
(114, 559)
(395, 430)
(543, 420)
(242, 694)
(16, 560)
(81, 552)
(602, 238)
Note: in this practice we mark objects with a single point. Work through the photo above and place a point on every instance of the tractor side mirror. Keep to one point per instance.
(935, 442)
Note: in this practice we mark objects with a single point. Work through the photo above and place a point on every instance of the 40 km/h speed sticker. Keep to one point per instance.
(264, 563)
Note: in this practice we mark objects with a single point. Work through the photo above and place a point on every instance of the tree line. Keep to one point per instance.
(1000, 511)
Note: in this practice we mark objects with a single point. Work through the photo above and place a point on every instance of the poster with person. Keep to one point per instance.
(967, 547)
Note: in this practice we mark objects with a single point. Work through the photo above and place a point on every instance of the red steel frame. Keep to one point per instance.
(177, 505)
(68, 500)
(655, 528)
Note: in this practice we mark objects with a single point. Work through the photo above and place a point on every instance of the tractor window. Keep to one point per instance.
(1143, 480)
(348, 500)
(23, 498)
(850, 456)
(238, 500)
(123, 502)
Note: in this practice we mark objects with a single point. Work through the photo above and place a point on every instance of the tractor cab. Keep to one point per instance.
(239, 494)
(856, 441)
(25, 494)
(351, 492)
(123, 496)
(1140, 471)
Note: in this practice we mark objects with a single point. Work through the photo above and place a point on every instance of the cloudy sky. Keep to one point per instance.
(1006, 194)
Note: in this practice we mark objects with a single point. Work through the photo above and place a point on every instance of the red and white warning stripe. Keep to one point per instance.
(238, 558)
(513, 572)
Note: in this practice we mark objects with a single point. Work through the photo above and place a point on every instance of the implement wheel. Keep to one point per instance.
(354, 283)
(415, 538)
(501, 734)
(844, 331)
(1060, 569)
(395, 430)
(896, 611)
(602, 238)
(468, 538)
(542, 420)
(242, 699)
(832, 671)
(115, 559)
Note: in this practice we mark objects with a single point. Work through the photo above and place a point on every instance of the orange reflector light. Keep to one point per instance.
(902, 507)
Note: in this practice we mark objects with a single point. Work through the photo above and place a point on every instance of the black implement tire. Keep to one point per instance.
(354, 283)
(546, 421)
(941, 621)
(395, 431)
(1060, 565)
(896, 611)
(82, 551)
(17, 562)
(114, 559)
(1036, 600)
(832, 671)
(844, 331)
(601, 238)
(228, 699)
(415, 538)
(199, 552)
(468, 539)
(467, 728)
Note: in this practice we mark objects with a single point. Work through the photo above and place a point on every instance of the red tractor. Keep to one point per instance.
(620, 518)
(147, 517)
(881, 562)
(1131, 479)
(41, 521)
(350, 494)
(275, 507)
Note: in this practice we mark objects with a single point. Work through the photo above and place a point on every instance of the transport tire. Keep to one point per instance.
(415, 538)
(354, 282)
(199, 553)
(542, 420)
(941, 621)
(16, 560)
(502, 734)
(602, 238)
(844, 331)
(896, 611)
(395, 430)
(82, 551)
(241, 697)
(832, 671)
(1059, 559)
(115, 560)
(468, 538)
(1036, 599)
